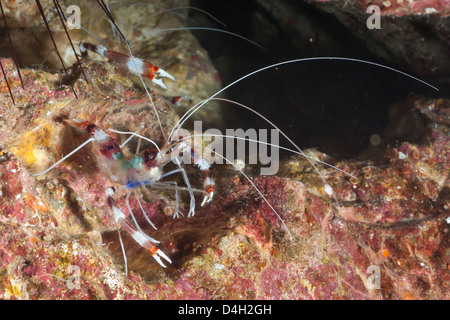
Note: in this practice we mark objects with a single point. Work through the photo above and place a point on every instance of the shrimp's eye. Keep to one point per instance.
(149, 156)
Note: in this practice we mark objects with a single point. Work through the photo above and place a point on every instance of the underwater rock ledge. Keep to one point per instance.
(412, 33)
(393, 217)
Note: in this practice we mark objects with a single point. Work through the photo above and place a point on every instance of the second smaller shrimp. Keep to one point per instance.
(134, 65)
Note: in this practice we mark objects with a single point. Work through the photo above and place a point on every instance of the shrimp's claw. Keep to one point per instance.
(161, 73)
(177, 214)
(209, 186)
(155, 73)
(164, 74)
(153, 250)
(208, 197)
(163, 255)
(159, 82)
(191, 208)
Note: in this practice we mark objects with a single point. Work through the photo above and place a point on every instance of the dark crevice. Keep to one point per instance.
(335, 106)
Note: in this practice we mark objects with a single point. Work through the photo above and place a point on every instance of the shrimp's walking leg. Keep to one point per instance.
(127, 202)
(144, 213)
(209, 184)
(166, 185)
(134, 232)
(188, 185)
(177, 201)
(123, 250)
(133, 64)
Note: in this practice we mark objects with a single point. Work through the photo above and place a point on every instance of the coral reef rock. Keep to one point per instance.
(381, 233)
(384, 236)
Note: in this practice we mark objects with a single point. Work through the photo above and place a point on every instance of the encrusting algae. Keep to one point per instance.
(58, 239)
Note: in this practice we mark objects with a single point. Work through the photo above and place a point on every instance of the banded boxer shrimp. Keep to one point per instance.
(129, 173)
(146, 169)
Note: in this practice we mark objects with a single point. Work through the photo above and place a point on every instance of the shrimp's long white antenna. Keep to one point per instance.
(270, 145)
(300, 151)
(146, 90)
(65, 157)
(256, 188)
(116, 36)
(328, 188)
(198, 106)
(121, 15)
(111, 19)
(134, 64)
(213, 29)
(131, 136)
(185, 116)
(173, 9)
(134, 134)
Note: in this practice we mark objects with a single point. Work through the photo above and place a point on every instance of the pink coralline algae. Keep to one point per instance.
(382, 234)
(385, 236)
(400, 7)
(402, 36)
